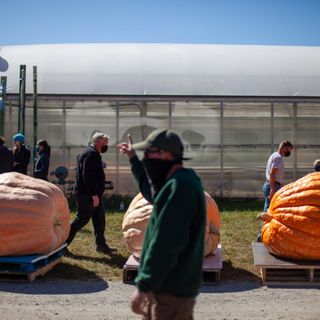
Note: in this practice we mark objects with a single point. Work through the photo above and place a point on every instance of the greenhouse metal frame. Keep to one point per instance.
(232, 105)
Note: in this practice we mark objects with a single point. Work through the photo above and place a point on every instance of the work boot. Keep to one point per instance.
(105, 249)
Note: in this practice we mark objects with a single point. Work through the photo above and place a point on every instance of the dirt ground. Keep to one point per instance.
(57, 299)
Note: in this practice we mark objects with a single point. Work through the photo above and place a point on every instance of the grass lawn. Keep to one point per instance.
(239, 229)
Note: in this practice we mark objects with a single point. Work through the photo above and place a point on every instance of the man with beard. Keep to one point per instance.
(170, 271)
(88, 192)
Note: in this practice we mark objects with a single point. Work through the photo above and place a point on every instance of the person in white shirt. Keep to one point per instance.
(275, 172)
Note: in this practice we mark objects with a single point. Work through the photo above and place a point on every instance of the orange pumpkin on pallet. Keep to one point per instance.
(292, 223)
(34, 215)
(137, 216)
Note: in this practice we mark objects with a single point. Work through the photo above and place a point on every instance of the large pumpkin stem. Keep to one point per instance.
(265, 216)
(213, 229)
(57, 223)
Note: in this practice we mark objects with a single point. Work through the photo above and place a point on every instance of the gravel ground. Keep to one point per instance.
(57, 299)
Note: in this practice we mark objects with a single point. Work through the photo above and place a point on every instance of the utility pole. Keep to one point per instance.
(22, 100)
(3, 89)
(35, 113)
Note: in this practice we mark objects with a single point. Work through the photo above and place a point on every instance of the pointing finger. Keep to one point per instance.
(130, 142)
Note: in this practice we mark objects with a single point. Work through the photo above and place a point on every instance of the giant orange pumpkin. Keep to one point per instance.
(137, 216)
(292, 223)
(212, 234)
(34, 215)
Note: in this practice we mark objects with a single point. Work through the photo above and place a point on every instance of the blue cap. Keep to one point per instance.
(18, 137)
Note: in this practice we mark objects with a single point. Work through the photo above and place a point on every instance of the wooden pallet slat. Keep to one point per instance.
(30, 266)
(277, 270)
(43, 270)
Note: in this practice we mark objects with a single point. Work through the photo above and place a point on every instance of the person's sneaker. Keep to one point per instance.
(67, 253)
(105, 249)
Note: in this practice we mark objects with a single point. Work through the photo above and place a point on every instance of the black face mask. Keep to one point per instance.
(157, 170)
(287, 154)
(104, 149)
(317, 168)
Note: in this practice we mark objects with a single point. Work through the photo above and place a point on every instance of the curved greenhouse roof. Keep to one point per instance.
(165, 69)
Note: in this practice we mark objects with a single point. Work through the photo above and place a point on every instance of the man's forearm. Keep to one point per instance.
(139, 173)
(273, 185)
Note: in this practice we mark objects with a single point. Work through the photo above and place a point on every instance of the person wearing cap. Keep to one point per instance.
(316, 165)
(21, 154)
(170, 270)
(88, 192)
(6, 157)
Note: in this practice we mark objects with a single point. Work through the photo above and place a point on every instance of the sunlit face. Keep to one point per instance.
(100, 144)
(287, 150)
(17, 144)
(103, 142)
(41, 148)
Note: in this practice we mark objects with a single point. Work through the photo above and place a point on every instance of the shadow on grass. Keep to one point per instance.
(86, 231)
(63, 279)
(233, 280)
(229, 272)
(114, 260)
(234, 204)
(238, 280)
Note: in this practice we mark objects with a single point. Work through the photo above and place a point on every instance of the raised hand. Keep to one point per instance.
(126, 147)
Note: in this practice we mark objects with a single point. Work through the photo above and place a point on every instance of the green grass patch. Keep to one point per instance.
(239, 229)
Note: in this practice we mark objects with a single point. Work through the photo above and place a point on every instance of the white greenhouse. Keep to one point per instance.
(231, 104)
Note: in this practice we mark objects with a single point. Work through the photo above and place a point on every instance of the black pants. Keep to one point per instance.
(85, 211)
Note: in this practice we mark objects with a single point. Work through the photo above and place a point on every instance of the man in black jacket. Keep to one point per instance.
(88, 191)
(6, 157)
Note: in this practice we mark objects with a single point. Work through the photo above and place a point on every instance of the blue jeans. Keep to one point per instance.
(266, 191)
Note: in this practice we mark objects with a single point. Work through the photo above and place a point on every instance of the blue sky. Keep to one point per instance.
(266, 22)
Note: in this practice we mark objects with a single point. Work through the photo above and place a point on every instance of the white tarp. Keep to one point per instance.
(165, 69)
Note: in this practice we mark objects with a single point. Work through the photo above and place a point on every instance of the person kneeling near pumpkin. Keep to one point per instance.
(170, 271)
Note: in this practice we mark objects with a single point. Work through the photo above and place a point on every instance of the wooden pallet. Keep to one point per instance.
(29, 267)
(282, 271)
(212, 266)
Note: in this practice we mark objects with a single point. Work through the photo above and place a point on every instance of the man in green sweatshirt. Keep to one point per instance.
(170, 271)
